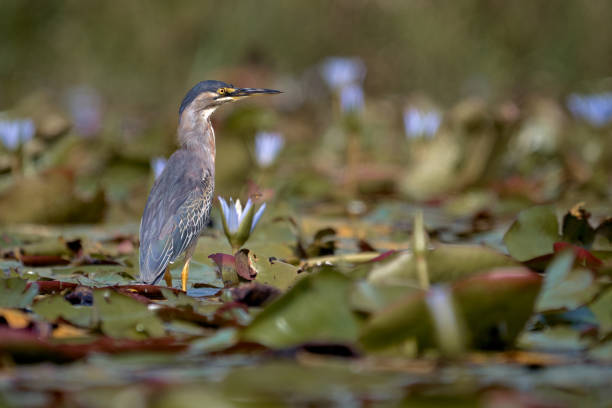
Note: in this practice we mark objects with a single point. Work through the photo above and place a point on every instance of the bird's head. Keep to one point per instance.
(207, 96)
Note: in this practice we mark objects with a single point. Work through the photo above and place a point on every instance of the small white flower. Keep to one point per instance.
(339, 72)
(419, 123)
(267, 147)
(238, 223)
(351, 98)
(596, 109)
(158, 164)
(16, 132)
(85, 105)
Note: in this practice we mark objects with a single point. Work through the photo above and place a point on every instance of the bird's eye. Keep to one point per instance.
(221, 91)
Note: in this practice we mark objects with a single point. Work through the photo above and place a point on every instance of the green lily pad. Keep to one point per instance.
(279, 274)
(368, 297)
(493, 306)
(496, 305)
(557, 338)
(566, 288)
(13, 293)
(445, 263)
(602, 309)
(124, 317)
(315, 309)
(404, 320)
(533, 233)
(54, 307)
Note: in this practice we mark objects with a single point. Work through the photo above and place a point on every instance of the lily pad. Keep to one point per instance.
(533, 233)
(275, 273)
(565, 287)
(445, 263)
(14, 292)
(496, 305)
(315, 309)
(507, 295)
(54, 307)
(124, 317)
(602, 309)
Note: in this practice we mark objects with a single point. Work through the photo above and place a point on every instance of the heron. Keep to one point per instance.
(178, 207)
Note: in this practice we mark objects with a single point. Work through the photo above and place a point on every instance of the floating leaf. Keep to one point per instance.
(315, 309)
(55, 307)
(406, 319)
(497, 304)
(445, 263)
(15, 292)
(245, 260)
(533, 233)
(124, 317)
(492, 292)
(566, 288)
(582, 256)
(602, 309)
(557, 338)
(275, 273)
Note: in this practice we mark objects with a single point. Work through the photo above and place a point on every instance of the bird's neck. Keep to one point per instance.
(195, 133)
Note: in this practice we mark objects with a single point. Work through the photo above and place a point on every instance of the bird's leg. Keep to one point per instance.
(168, 277)
(185, 272)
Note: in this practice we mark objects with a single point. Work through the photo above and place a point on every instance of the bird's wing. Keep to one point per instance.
(176, 211)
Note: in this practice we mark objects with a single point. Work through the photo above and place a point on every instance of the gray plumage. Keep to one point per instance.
(172, 224)
(178, 207)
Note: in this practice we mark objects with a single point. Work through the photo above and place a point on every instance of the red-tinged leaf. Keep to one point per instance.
(43, 260)
(383, 256)
(50, 287)
(583, 256)
(244, 264)
(223, 260)
(28, 346)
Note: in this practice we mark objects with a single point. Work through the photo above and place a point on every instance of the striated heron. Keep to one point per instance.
(179, 203)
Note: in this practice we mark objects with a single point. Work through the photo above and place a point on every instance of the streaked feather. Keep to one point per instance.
(177, 210)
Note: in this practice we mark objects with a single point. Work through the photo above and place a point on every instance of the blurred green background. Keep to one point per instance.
(498, 73)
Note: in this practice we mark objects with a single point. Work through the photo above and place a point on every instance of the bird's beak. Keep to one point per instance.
(244, 92)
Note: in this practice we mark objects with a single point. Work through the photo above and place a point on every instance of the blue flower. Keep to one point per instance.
(85, 105)
(158, 164)
(339, 72)
(596, 109)
(419, 123)
(351, 98)
(16, 132)
(238, 223)
(267, 147)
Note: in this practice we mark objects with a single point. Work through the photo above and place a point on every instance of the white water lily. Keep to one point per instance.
(85, 106)
(351, 98)
(267, 147)
(238, 222)
(339, 72)
(596, 109)
(420, 123)
(15, 132)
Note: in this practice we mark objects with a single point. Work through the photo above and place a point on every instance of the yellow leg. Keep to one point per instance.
(168, 277)
(185, 274)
